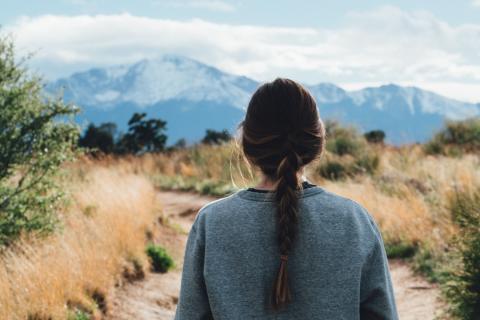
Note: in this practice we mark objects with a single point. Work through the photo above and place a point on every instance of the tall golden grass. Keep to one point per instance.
(113, 205)
(103, 231)
(408, 195)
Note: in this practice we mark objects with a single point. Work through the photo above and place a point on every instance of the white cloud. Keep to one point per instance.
(385, 45)
(214, 5)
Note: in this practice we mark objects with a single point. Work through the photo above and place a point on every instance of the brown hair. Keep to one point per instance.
(281, 133)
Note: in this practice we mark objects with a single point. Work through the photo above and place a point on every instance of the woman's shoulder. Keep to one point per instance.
(344, 210)
(215, 207)
(331, 199)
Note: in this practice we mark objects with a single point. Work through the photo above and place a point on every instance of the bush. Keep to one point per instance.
(99, 139)
(400, 250)
(79, 315)
(333, 170)
(216, 137)
(343, 146)
(456, 136)
(337, 168)
(343, 140)
(463, 287)
(375, 136)
(367, 163)
(35, 139)
(144, 135)
(159, 259)
(435, 265)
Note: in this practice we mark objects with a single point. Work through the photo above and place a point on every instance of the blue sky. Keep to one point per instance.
(431, 44)
(312, 13)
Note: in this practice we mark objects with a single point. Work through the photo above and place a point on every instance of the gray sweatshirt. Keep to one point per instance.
(338, 268)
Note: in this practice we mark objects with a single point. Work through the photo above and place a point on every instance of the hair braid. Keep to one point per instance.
(281, 133)
(287, 206)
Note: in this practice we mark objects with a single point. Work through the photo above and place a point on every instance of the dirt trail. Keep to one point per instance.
(157, 295)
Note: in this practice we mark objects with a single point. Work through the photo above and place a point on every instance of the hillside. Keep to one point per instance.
(193, 96)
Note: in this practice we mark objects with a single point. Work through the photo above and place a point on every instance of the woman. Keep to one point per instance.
(286, 249)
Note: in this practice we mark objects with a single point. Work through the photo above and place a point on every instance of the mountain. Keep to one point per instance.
(193, 97)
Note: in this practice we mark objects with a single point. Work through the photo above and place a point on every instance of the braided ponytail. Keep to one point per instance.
(281, 133)
(287, 211)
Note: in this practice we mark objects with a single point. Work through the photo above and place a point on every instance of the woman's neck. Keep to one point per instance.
(268, 184)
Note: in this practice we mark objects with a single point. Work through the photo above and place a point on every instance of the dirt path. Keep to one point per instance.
(157, 295)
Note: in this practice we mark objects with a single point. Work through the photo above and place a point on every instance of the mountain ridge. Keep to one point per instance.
(192, 97)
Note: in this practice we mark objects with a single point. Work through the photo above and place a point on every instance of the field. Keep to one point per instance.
(114, 212)
(102, 236)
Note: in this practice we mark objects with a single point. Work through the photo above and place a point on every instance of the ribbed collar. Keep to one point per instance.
(270, 196)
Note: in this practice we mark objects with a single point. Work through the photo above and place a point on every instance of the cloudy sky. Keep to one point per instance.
(433, 44)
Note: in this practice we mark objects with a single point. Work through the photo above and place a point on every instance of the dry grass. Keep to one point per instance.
(401, 219)
(408, 195)
(104, 229)
(114, 201)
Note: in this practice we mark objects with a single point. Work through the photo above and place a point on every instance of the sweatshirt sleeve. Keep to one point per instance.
(376, 293)
(193, 301)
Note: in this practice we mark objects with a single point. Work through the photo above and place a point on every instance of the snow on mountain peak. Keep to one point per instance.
(177, 78)
(154, 80)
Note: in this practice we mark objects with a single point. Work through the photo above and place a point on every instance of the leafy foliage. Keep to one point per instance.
(143, 135)
(339, 168)
(400, 250)
(159, 258)
(99, 139)
(216, 137)
(343, 140)
(333, 170)
(463, 289)
(456, 137)
(180, 144)
(79, 315)
(35, 139)
(375, 136)
(348, 154)
(366, 163)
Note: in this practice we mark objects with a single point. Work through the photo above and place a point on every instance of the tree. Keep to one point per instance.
(101, 138)
(180, 144)
(36, 137)
(143, 135)
(375, 136)
(216, 137)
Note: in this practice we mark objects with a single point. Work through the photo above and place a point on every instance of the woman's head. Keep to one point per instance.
(281, 133)
(282, 124)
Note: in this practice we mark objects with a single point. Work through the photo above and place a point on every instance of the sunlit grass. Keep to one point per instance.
(103, 230)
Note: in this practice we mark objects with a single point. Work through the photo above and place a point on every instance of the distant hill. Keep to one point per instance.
(192, 97)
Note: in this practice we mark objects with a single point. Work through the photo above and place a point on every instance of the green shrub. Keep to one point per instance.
(456, 137)
(375, 136)
(433, 147)
(434, 265)
(333, 170)
(338, 168)
(213, 188)
(343, 140)
(193, 184)
(159, 259)
(463, 287)
(216, 137)
(79, 315)
(367, 163)
(400, 250)
(36, 137)
(343, 145)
